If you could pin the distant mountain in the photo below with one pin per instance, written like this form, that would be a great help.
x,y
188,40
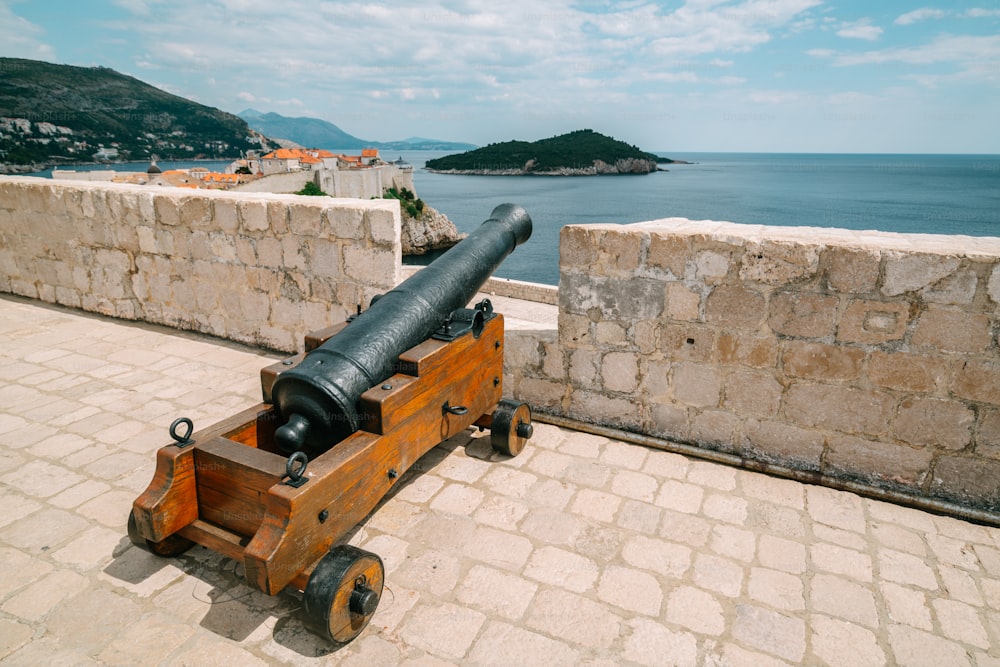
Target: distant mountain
x,y
318,133
579,153
51,114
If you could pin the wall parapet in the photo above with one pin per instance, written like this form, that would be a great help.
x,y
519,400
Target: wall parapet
x,y
261,268
866,356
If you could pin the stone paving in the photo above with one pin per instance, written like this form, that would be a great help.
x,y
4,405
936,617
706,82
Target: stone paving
x,y
581,551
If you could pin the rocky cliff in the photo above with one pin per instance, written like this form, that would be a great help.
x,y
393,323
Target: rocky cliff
x,y
430,230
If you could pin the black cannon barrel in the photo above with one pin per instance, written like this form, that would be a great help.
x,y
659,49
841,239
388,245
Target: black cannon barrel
x,y
317,400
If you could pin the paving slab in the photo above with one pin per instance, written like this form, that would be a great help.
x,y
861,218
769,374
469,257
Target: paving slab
x,y
583,550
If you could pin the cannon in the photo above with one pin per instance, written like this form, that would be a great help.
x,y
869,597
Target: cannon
x,y
278,485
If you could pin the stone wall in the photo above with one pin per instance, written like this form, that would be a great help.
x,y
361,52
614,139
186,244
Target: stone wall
x,y
256,268
862,355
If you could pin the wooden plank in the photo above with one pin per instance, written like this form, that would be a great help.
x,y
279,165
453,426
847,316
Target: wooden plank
x,y
233,480
170,501
465,372
215,538
316,338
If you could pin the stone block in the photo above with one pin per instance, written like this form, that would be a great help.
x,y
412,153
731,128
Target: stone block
x,y
305,219
748,350
225,216
699,385
970,480
819,361
953,330
620,250
910,272
668,420
384,226
993,286
573,329
253,216
672,252
712,267
906,372
736,307
978,381
873,322
644,336
846,409
683,303
934,422
988,433
611,333
195,212
597,408
277,217
779,263
553,362
583,366
577,251
166,211
770,631
780,443
620,372
753,394
691,342
622,299
957,289
878,463
346,222
715,429
802,314
852,270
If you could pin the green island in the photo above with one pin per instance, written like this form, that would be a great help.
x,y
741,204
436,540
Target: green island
x,y
579,153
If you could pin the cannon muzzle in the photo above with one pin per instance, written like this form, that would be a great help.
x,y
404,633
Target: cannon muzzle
x,y
317,400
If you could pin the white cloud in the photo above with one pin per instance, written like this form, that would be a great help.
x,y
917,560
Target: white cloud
x,y
862,29
922,14
19,38
247,97
977,13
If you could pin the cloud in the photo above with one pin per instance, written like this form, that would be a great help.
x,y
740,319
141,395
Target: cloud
x,y
246,97
860,30
922,14
19,37
980,13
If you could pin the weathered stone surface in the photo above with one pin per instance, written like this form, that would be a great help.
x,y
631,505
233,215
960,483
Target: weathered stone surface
x,y
910,272
873,322
781,443
845,409
802,314
431,230
819,361
876,461
778,263
978,381
907,372
734,306
753,393
747,350
624,299
964,479
953,330
852,270
934,422
668,252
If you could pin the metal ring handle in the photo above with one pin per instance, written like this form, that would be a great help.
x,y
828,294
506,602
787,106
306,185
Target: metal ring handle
x,y
454,409
296,476
182,439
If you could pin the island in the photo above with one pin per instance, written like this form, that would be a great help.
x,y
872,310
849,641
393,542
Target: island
x,y
579,153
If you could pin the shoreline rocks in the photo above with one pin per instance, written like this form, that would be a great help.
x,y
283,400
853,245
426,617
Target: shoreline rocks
x,y
429,231
599,168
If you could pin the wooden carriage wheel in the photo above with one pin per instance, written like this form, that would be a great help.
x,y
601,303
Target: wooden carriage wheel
x,y
343,593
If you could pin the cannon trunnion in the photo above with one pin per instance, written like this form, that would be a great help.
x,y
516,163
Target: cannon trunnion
x,y
235,488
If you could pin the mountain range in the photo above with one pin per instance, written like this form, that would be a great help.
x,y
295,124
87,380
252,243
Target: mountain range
x,y
52,114
318,133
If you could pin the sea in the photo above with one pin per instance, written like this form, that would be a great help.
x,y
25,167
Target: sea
x,y
927,194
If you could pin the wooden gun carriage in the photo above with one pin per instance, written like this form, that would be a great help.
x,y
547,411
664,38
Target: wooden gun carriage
x,y
278,485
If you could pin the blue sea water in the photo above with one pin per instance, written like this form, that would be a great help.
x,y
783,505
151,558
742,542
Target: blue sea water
x,y
932,194
935,194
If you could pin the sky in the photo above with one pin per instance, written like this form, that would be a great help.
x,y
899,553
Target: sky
x,y
799,76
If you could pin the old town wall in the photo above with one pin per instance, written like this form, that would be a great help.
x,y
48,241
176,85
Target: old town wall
x,y
866,356
256,268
